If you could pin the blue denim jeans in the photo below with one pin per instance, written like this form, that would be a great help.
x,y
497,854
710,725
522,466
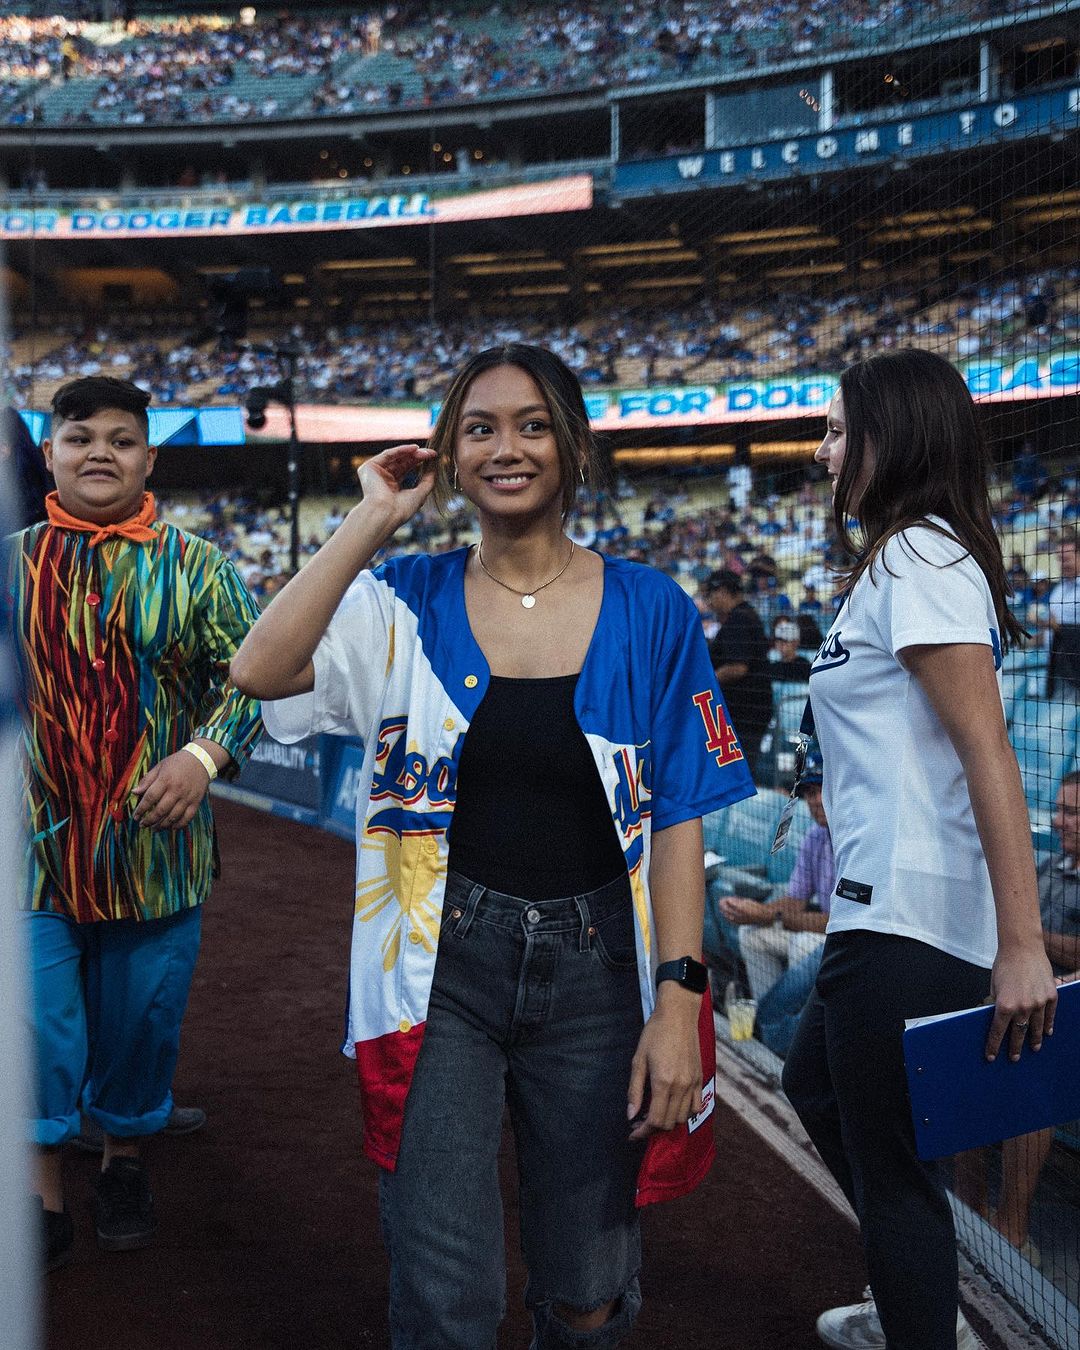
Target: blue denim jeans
x,y
780,1008
108,1002
534,1006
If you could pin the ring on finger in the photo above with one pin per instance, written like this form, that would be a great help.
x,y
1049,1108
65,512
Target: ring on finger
x,y
1021,1025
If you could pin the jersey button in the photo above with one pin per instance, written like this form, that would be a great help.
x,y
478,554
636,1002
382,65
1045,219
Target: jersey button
x,y
112,736
414,936
97,664
93,599
404,1026
471,681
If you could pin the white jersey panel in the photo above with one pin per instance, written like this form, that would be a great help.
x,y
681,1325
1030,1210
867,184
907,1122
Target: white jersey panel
x,y
908,855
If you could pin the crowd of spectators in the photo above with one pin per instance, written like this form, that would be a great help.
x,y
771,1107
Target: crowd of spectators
x,y
688,527
349,358
165,67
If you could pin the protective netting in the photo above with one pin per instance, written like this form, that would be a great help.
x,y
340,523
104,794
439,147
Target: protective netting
x,y
723,206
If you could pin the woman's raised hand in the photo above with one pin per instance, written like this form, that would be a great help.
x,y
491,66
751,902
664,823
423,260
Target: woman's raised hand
x,y
384,477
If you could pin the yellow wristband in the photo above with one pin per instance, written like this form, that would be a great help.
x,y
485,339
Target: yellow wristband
x,y
203,757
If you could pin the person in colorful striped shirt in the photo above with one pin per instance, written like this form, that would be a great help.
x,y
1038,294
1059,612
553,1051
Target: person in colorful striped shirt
x,y
124,627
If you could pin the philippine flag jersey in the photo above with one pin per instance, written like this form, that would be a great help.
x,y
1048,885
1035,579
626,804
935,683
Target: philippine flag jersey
x,y
398,666
908,855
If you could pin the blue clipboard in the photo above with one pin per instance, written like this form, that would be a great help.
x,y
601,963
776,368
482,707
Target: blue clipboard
x,y
959,1101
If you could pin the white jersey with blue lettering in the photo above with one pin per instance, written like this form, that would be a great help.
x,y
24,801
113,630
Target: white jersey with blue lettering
x,y
908,855
399,667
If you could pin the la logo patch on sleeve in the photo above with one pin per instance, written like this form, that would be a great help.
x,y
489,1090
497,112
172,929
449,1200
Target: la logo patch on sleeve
x,y
708,1099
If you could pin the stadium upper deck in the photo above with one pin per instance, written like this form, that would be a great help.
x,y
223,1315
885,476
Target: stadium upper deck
x,y
60,71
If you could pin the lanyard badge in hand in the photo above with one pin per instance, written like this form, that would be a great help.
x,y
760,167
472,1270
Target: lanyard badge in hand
x,y
783,827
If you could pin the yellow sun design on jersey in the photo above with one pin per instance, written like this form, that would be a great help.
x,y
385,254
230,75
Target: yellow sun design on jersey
x,y
413,868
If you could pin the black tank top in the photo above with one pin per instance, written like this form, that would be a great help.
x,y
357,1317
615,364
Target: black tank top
x,y
531,817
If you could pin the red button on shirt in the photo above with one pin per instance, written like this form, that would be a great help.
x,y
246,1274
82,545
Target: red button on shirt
x,y
112,735
93,600
97,664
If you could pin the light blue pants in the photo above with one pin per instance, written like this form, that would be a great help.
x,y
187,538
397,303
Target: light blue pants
x,y
108,1001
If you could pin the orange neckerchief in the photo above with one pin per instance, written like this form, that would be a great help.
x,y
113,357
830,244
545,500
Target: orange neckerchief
x,y
136,527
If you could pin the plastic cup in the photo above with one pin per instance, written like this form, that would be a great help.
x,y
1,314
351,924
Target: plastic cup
x,y
741,1014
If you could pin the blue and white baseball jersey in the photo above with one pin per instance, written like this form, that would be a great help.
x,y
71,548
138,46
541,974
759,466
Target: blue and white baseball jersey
x,y
908,856
399,667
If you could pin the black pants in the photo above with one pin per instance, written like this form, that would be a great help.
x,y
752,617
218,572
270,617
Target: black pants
x,y
844,1075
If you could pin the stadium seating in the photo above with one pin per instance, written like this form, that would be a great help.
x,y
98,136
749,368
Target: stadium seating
x,y
618,44
1044,733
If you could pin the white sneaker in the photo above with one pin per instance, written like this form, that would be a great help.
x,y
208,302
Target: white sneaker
x,y
858,1327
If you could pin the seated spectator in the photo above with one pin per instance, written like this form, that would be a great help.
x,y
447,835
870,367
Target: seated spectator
x,y
785,663
740,657
781,939
1064,607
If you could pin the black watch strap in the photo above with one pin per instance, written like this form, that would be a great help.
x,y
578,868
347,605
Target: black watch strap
x,y
686,971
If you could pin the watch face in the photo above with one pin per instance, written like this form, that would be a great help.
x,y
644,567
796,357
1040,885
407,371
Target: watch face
x,y
696,977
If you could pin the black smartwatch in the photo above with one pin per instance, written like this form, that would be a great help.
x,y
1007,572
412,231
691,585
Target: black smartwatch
x,y
686,971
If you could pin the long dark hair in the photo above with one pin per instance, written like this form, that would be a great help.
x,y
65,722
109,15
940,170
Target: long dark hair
x,y
913,411
30,480
578,454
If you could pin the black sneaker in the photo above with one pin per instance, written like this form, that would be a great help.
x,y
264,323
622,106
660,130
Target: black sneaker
x,y
57,1236
182,1120
124,1207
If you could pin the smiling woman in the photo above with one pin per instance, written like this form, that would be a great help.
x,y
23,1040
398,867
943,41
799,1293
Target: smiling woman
x,y
539,761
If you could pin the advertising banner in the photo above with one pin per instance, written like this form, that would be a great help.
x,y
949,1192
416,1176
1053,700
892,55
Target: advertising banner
x,y
288,773
264,215
1002,379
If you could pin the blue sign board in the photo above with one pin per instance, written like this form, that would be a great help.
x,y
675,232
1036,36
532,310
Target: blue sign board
x,y
880,140
172,426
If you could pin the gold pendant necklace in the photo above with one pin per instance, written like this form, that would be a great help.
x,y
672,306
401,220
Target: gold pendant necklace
x,y
528,598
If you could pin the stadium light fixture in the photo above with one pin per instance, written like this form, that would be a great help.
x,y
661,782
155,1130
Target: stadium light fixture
x,y
1049,215
382,297
256,402
664,283
647,259
786,246
366,264
520,255
752,236
655,456
924,217
514,269
807,270
931,231
1045,199
634,246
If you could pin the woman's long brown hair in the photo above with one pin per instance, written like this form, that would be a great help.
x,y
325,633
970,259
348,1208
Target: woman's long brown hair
x,y
574,441
929,459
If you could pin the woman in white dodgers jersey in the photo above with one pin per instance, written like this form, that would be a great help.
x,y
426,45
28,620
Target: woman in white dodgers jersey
x,y
561,709
935,904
